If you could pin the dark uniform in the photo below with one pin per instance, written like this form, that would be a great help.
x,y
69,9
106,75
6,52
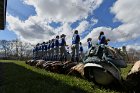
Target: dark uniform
x,y
52,49
63,51
48,50
34,56
89,43
37,51
81,53
43,50
56,48
102,39
40,51
75,46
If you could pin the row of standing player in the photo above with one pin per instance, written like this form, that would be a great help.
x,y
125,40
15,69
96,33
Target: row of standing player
x,y
55,49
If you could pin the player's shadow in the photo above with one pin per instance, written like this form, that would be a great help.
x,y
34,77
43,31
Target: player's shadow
x,y
18,79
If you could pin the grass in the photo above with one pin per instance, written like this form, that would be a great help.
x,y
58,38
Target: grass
x,y
18,77
125,71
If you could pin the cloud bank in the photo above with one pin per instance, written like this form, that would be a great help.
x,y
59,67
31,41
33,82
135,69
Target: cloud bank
x,y
37,29
127,12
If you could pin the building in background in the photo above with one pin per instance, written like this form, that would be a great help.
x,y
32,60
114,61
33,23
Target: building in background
x,y
3,5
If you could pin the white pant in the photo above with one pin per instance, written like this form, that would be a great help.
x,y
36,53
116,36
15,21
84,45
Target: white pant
x,y
75,50
56,49
63,51
81,56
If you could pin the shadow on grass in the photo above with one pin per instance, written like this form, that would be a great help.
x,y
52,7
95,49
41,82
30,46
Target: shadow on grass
x,y
114,87
17,79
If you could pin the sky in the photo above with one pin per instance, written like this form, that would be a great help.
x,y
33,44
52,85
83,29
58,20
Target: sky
x,y
36,21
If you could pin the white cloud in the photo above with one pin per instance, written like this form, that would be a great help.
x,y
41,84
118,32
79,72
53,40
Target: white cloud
x,y
82,26
37,29
30,30
94,21
64,10
127,11
95,33
134,46
67,30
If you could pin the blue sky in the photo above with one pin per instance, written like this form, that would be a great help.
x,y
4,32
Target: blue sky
x,y
17,9
103,15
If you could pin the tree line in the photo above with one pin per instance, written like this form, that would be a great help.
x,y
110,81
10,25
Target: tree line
x,y
15,49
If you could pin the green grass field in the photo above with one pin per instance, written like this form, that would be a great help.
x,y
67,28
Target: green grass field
x,y
18,77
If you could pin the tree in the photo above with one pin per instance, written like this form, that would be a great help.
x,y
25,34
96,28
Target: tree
x,y
4,44
16,49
